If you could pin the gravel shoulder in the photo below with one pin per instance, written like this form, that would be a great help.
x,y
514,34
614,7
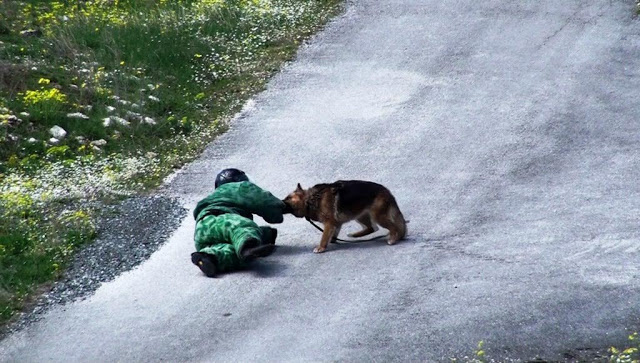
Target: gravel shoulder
x,y
128,233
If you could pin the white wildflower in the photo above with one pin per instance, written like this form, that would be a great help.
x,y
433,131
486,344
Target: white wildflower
x,y
32,140
80,139
133,115
120,121
53,141
124,102
11,119
154,98
135,105
25,114
110,109
78,115
151,86
101,142
149,121
106,122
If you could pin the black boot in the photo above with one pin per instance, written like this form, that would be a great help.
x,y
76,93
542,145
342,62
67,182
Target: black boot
x,y
269,235
269,239
254,248
207,263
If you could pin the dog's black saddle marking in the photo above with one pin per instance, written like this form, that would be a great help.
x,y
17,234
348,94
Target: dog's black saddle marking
x,y
355,194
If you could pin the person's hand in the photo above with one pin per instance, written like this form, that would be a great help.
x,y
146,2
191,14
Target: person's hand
x,y
287,208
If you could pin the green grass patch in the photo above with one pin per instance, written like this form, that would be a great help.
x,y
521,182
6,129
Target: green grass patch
x,y
37,237
103,98
628,354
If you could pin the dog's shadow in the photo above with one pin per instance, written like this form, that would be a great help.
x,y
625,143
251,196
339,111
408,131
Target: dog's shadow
x,y
337,245
274,267
366,243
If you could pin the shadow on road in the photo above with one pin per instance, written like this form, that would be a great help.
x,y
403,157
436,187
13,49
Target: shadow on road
x,y
285,250
273,267
379,242
268,268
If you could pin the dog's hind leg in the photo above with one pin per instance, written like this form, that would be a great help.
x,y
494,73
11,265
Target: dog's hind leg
x,y
367,224
392,220
334,239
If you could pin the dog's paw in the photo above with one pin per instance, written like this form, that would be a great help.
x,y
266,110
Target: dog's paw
x,y
319,249
392,242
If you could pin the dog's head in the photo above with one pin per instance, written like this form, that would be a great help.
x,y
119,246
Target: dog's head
x,y
296,202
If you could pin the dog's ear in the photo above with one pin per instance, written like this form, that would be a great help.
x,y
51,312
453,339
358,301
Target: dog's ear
x,y
299,188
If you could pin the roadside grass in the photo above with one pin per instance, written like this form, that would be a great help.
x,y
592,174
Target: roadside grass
x,y
628,354
478,356
101,99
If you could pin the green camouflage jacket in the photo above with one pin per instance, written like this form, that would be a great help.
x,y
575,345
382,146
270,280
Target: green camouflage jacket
x,y
243,198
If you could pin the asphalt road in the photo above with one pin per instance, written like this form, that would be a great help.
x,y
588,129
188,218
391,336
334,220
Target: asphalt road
x,y
509,132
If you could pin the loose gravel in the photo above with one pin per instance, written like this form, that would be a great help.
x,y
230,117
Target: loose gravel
x,y
128,233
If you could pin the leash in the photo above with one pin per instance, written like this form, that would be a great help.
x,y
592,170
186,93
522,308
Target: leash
x,y
342,240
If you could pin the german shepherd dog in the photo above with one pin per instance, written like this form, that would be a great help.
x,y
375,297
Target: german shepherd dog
x,y
334,204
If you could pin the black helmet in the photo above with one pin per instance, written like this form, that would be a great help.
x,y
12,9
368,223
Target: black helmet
x,y
230,175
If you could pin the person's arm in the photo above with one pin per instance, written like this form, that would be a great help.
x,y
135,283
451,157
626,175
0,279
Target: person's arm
x,y
201,205
259,201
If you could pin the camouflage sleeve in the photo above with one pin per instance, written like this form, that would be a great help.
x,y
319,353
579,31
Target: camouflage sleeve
x,y
201,205
261,202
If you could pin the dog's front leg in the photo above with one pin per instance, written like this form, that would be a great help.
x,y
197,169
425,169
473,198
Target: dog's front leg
x,y
327,235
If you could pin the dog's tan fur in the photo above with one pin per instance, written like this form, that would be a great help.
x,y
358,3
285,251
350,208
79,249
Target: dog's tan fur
x,y
368,203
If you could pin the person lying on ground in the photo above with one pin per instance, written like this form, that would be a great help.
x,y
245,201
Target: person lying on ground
x,y
226,237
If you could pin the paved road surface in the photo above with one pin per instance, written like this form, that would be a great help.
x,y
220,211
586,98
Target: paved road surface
x,y
509,132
